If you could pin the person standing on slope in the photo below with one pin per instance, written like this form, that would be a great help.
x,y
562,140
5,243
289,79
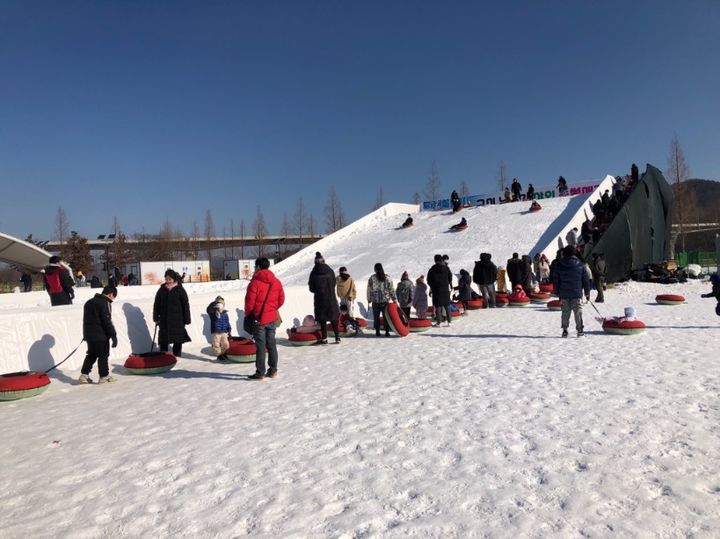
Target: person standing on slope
x,y
439,279
171,312
322,284
570,280
98,331
420,298
404,293
346,291
484,275
380,292
58,282
264,296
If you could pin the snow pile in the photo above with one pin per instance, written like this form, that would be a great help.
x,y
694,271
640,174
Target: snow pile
x,y
492,427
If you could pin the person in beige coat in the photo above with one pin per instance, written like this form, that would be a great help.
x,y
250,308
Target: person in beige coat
x,y
346,290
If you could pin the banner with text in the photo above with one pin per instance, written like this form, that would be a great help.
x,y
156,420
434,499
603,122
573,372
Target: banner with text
x,y
490,199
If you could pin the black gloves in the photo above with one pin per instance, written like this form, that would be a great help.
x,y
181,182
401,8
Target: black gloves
x,y
114,341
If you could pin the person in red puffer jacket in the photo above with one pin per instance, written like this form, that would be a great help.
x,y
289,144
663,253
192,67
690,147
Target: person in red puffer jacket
x,y
265,295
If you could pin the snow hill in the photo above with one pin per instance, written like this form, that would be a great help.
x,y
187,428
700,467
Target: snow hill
x,y
493,427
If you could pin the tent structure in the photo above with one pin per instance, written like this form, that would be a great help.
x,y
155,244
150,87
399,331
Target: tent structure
x,y
640,233
22,253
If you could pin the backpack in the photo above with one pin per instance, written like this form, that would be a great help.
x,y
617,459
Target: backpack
x,y
54,285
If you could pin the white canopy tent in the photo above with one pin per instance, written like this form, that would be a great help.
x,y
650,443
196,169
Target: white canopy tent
x,y
22,253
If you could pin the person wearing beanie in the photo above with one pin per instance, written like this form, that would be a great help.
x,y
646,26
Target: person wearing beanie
x,y
98,332
322,284
404,293
171,312
58,282
464,289
345,289
220,328
420,298
439,279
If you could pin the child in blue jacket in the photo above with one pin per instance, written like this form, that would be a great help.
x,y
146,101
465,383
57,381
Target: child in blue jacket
x,y
219,327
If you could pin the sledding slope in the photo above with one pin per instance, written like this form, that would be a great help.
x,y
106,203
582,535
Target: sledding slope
x,y
499,230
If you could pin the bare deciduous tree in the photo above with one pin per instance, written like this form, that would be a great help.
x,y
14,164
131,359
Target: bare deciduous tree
x,y
76,252
677,172
209,235
194,242
416,198
334,217
285,232
432,187
164,248
502,175
379,200
260,231
120,252
464,189
62,227
311,225
242,237
300,219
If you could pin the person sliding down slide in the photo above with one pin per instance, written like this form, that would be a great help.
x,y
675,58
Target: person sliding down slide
x,y
462,225
408,222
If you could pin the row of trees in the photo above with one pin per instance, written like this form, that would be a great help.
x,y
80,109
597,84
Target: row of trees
x,y
163,245
170,241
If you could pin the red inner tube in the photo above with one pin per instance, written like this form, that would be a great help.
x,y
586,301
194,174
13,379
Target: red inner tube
x,y
21,381
419,322
314,336
237,348
670,297
627,324
398,320
546,287
457,228
476,303
518,299
540,295
554,304
150,360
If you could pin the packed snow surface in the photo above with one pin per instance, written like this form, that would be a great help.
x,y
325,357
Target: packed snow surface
x,y
492,427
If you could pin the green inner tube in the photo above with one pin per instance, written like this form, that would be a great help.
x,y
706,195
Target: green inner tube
x,y
241,359
22,394
151,370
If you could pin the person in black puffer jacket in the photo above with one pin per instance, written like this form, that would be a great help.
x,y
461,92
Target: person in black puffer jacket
x,y
98,331
322,285
485,275
570,281
171,312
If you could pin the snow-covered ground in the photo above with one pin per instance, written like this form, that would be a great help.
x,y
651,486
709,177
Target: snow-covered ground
x,y
494,427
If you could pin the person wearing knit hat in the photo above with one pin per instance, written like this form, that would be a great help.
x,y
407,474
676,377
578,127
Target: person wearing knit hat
x,y
404,293
420,298
322,284
220,328
345,289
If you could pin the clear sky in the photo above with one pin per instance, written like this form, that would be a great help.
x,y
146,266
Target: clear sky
x,y
153,110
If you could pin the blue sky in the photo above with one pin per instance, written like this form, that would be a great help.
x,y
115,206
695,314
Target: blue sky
x,y
150,110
